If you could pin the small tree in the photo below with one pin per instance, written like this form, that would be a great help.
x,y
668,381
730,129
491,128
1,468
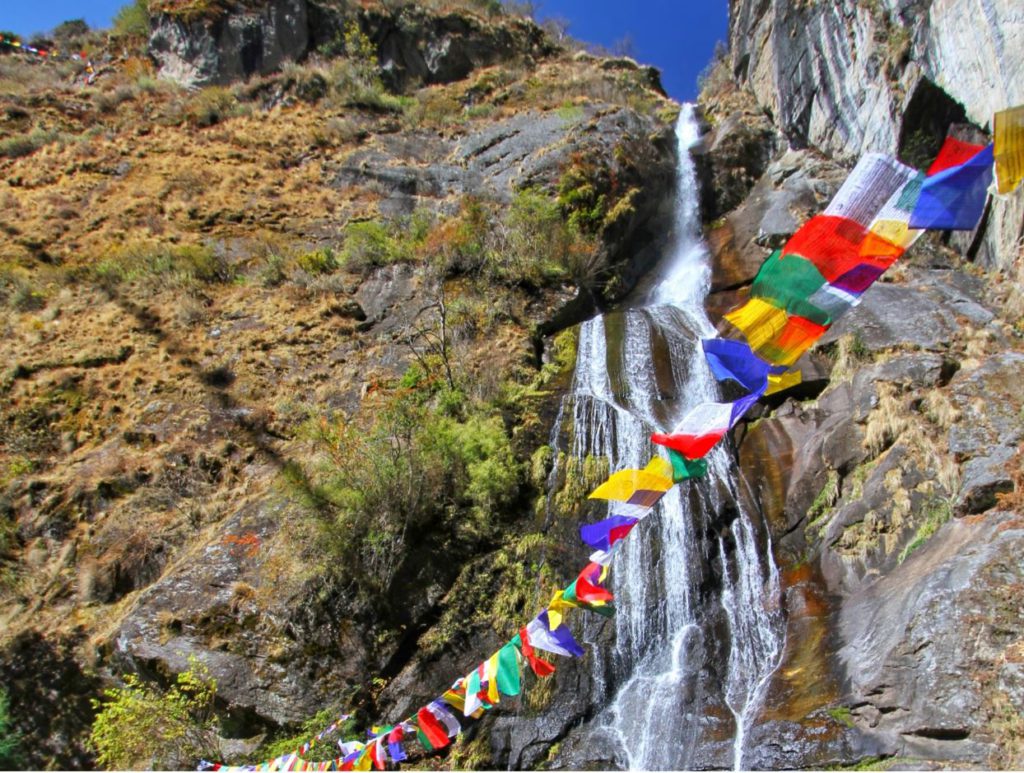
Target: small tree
x,y
140,726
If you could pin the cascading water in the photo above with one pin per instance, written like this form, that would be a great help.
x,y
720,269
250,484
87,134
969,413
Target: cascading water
x,y
640,370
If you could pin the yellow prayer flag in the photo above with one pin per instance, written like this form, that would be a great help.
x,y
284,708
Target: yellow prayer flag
x,y
623,484
1009,149
491,670
659,466
455,700
758,320
783,381
896,233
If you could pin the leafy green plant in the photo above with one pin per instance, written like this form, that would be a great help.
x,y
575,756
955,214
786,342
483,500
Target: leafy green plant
x,y
142,726
10,739
410,472
583,194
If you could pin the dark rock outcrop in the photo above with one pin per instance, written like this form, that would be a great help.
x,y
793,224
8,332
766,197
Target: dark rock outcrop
x,y
232,47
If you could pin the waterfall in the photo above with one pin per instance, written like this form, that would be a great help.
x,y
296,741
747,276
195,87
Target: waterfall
x,y
638,370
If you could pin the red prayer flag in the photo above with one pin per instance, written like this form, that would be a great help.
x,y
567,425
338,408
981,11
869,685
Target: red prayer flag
x,y
541,668
432,729
953,153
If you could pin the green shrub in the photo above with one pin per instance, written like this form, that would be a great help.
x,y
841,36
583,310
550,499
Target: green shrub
x,y
20,145
529,243
132,21
185,264
372,243
140,726
583,194
318,262
411,473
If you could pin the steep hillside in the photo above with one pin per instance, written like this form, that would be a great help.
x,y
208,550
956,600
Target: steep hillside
x,y
280,353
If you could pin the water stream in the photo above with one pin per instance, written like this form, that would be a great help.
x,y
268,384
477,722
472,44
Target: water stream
x,y
638,370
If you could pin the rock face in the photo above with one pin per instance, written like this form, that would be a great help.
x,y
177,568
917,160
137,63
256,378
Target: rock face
x,y
891,496
416,47
230,48
851,77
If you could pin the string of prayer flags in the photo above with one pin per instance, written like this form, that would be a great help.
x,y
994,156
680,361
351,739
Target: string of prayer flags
x,y
822,270
954,197
1008,129
799,292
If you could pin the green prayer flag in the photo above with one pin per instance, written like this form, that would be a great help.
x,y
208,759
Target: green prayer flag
x,y
569,594
508,670
787,282
422,737
684,469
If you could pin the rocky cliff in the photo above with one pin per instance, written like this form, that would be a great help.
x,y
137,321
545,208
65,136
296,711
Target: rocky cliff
x,y
890,478
228,311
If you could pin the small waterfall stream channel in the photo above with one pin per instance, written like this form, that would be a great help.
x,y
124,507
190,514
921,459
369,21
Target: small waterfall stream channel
x,y
680,672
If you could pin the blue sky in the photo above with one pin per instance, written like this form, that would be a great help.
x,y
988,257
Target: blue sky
x,y
677,36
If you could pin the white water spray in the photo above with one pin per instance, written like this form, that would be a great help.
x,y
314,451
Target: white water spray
x,y
659,684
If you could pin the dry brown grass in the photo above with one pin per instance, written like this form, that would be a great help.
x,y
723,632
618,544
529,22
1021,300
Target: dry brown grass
x,y
887,421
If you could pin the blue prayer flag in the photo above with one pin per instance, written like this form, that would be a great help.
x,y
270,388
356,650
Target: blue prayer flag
x,y
954,198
